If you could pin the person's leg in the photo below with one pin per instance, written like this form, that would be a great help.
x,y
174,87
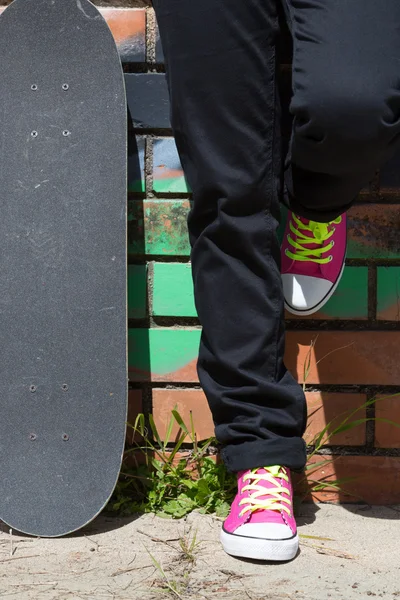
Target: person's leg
x,y
346,100
346,123
220,61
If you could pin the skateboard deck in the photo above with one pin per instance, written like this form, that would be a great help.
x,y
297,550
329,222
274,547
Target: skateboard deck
x,y
63,271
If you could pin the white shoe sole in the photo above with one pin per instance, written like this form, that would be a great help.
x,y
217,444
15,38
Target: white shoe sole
x,y
258,548
311,311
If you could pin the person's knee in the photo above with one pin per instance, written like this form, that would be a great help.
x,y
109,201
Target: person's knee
x,y
347,121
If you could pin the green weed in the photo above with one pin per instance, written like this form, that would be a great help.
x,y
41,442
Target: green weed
x,y
348,422
169,487
159,483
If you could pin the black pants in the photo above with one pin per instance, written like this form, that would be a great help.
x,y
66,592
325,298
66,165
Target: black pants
x,y
222,74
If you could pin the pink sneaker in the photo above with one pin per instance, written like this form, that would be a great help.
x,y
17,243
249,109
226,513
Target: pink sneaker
x,y
261,523
313,256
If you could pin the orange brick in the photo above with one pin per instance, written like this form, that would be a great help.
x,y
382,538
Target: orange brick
x,y
374,479
128,26
345,357
164,401
386,434
324,408
134,408
339,357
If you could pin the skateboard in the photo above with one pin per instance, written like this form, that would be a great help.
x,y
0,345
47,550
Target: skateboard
x,y
63,265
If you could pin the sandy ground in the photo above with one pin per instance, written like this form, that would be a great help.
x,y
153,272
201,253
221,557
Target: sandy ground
x,y
110,559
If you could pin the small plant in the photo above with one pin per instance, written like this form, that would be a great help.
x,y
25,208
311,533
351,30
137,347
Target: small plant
x,y
170,487
171,586
188,546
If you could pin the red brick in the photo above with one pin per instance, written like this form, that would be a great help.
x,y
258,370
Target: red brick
x,y
128,26
375,479
338,358
386,434
164,401
345,357
324,408
134,408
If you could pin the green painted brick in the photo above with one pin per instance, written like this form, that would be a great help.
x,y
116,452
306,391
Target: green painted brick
x,y
159,227
388,296
350,300
173,290
137,291
170,185
155,353
173,293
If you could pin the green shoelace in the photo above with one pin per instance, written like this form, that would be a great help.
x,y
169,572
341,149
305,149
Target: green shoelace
x,y
320,234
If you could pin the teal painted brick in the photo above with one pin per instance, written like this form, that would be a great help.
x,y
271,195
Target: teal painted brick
x,y
173,293
350,300
173,290
163,354
137,291
388,296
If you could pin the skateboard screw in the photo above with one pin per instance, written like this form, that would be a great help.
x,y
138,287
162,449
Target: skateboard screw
x,y
65,387
33,388
65,86
34,87
65,437
34,134
33,437
66,133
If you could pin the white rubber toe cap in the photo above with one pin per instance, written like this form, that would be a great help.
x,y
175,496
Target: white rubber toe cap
x,y
266,531
261,541
305,295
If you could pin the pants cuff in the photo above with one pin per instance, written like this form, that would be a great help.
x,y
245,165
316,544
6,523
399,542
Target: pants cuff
x,y
287,452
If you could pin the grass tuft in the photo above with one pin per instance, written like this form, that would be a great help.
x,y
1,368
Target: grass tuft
x,y
171,485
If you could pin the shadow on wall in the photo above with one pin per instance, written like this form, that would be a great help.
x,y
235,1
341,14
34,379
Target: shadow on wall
x,y
138,309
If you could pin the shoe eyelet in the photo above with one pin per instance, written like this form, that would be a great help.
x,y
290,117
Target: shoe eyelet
x,y
286,252
333,243
333,229
330,258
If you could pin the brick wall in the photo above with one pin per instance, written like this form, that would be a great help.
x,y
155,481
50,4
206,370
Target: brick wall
x,y
357,353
